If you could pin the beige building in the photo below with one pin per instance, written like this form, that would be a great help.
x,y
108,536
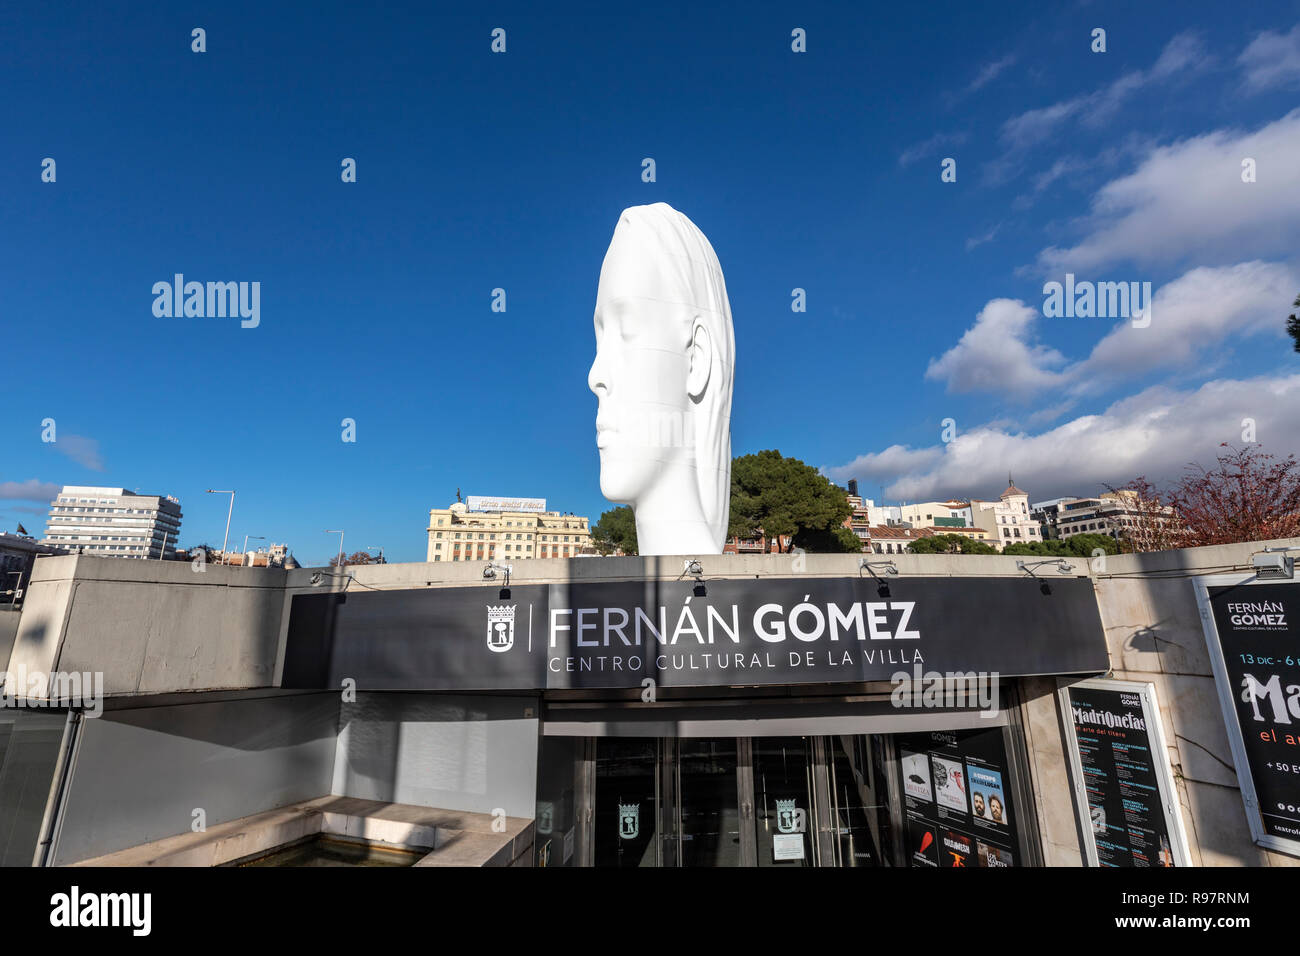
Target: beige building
x,y
926,513
1008,519
458,534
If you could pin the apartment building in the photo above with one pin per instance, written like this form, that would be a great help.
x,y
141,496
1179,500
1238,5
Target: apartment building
x,y
113,522
505,529
939,513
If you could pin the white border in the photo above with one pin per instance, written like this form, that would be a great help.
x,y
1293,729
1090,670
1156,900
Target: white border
x,y
1159,750
1245,779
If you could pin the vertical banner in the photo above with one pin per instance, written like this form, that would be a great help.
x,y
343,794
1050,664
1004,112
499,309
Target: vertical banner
x,y
1124,787
1254,644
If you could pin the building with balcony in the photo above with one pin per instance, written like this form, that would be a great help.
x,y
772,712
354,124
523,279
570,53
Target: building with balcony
x,y
113,522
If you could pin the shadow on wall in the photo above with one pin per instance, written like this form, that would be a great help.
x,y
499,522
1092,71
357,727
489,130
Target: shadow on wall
x,y
476,754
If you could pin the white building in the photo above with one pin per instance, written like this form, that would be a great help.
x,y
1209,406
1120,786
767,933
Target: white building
x,y
1008,519
113,522
923,514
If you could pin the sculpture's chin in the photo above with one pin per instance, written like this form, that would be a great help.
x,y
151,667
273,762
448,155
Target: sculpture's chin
x,y
618,482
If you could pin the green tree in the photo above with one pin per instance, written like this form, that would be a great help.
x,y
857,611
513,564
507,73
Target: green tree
x,y
1293,324
782,497
950,544
830,541
1036,548
615,531
1079,546
1082,545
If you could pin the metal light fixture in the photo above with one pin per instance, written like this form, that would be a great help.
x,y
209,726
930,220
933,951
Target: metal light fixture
x,y
1272,564
492,568
882,586
1062,566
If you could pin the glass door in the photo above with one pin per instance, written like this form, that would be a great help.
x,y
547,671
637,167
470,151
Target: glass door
x,y
626,818
855,802
696,801
782,829
708,802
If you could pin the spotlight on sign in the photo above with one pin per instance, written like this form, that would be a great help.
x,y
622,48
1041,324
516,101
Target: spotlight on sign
x,y
1272,565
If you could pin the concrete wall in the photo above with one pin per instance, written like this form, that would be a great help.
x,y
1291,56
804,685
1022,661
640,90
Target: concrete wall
x,y
1049,773
457,753
8,631
160,627
152,626
1154,632
141,772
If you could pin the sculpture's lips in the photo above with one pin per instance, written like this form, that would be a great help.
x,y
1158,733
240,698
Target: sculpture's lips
x,y
604,436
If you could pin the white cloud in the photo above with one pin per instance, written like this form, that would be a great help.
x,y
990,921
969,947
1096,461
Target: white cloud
x,y
990,72
1181,56
989,236
1156,432
1272,60
995,354
1188,199
887,465
918,151
29,490
1200,313
84,451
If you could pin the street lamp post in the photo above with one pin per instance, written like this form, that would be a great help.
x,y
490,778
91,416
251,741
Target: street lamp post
x,y
226,539
340,534
244,553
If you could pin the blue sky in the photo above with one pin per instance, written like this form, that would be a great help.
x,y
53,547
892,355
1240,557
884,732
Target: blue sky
x,y
816,170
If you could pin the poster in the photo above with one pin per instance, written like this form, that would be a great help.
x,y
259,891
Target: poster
x,y
989,855
949,782
1120,765
956,849
916,775
988,803
955,801
921,844
1254,645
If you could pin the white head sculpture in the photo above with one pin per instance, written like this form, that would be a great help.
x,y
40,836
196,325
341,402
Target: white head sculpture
x,y
663,376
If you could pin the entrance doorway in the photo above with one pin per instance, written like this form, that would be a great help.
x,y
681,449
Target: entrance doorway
x,y
731,801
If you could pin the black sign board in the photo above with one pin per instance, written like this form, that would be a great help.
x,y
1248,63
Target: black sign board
x,y
956,805
1124,776
690,634
1255,648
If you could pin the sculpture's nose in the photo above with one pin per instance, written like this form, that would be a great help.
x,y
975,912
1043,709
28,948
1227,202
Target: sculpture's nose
x,y
596,377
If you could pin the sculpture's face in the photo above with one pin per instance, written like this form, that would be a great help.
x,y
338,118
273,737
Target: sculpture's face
x,y
644,416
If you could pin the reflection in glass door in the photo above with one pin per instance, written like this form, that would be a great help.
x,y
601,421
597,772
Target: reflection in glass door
x,y
692,801
855,802
782,768
627,802
708,808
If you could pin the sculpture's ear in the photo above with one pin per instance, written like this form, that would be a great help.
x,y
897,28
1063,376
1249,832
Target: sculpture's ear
x,y
701,361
